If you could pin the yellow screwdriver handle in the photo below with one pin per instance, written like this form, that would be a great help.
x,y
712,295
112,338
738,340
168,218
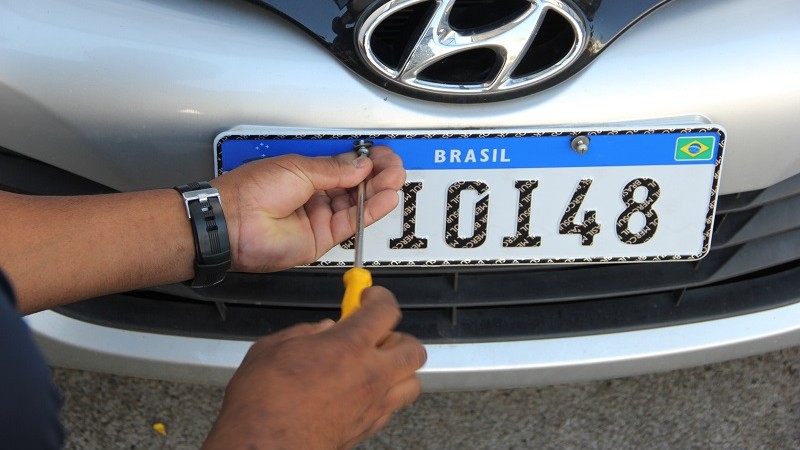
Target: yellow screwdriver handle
x,y
355,281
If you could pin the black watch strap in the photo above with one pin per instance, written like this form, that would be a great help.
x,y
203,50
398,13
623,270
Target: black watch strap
x,y
211,243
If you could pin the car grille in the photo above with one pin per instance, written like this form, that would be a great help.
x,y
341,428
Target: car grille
x,y
754,264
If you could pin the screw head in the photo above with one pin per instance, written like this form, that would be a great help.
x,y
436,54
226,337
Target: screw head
x,y
580,144
362,146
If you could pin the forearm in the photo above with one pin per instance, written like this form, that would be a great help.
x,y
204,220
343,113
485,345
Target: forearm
x,y
62,249
280,212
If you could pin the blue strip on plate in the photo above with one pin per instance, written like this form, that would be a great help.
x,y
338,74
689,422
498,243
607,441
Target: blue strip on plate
x,y
476,152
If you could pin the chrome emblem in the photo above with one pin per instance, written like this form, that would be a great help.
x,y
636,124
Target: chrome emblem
x,y
438,40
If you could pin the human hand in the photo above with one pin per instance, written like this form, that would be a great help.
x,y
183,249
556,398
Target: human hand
x,y
323,385
290,210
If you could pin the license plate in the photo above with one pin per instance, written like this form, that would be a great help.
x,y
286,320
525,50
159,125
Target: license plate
x,y
521,197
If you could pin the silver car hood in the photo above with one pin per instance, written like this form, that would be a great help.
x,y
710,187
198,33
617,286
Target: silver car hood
x,y
134,97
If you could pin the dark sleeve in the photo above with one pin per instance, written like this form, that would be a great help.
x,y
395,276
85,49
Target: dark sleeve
x,y
29,400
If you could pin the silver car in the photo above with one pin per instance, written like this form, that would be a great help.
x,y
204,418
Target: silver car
x,y
595,188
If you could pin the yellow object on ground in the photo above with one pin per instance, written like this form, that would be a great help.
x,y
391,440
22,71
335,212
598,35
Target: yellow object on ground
x,y
160,428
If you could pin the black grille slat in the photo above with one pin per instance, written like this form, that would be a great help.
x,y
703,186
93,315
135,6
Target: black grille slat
x,y
756,256
748,200
493,323
772,218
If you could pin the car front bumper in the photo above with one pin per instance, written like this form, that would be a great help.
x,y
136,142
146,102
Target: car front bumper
x,y
76,344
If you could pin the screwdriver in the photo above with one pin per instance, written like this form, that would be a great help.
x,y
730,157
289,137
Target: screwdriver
x,y
357,278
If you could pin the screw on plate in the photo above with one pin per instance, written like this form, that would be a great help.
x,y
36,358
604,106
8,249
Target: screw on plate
x,y
580,144
362,146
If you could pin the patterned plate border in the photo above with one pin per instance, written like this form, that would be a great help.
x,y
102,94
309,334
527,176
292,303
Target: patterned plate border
x,y
354,135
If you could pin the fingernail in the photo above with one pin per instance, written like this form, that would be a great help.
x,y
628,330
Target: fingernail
x,y
360,161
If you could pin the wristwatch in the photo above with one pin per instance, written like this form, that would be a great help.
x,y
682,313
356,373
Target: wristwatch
x,y
211,243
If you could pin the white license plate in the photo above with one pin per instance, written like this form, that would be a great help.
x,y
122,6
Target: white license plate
x,y
525,196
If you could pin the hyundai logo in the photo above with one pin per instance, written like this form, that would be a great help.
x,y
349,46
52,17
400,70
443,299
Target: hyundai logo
x,y
496,58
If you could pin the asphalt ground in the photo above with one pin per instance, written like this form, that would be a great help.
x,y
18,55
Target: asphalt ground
x,y
752,403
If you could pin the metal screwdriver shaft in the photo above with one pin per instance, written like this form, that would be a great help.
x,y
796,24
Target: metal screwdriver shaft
x,y
357,279
362,148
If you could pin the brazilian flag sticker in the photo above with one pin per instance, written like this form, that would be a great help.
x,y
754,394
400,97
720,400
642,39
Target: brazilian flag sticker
x,y
694,148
